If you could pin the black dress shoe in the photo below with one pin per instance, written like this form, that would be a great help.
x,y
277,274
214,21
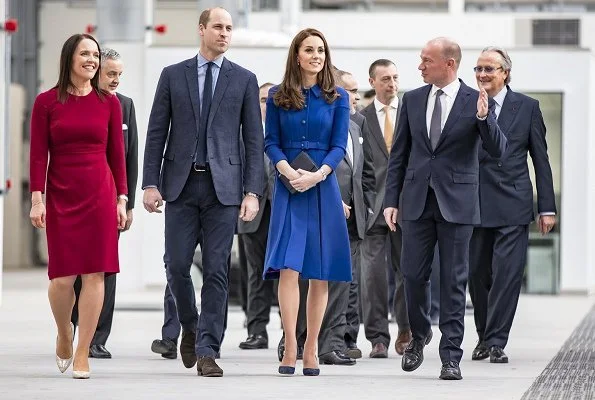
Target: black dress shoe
x,y
99,351
167,348
336,357
414,353
497,355
481,351
352,351
450,371
255,342
187,349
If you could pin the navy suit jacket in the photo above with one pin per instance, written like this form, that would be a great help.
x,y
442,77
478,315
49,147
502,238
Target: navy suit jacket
x,y
505,190
130,146
453,166
175,120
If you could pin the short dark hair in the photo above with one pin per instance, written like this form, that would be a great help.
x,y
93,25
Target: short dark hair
x,y
382,62
65,77
368,94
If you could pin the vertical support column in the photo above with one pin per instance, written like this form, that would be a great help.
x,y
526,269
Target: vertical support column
x,y
290,14
4,85
456,7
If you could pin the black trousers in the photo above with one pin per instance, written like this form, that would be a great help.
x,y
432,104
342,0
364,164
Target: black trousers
x,y
104,325
497,262
198,211
260,292
419,238
374,283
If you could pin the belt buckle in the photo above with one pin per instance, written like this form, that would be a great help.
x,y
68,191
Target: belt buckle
x,y
199,168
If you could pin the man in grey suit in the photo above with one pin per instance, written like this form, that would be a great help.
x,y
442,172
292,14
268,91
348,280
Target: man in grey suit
x,y
498,249
382,117
252,238
109,79
200,107
355,174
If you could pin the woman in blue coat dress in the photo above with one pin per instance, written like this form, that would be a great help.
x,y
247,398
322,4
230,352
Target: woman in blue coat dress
x,y
307,234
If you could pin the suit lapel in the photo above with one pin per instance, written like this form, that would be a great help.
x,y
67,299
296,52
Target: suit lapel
x,y
222,82
192,80
508,112
461,100
422,115
372,118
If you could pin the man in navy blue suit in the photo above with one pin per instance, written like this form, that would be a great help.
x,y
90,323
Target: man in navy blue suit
x,y
498,249
432,182
200,106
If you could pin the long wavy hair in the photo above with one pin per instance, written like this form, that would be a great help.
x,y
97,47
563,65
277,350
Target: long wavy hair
x,y
289,95
65,77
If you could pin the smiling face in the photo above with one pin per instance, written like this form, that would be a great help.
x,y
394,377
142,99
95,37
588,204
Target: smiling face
x,y
85,60
489,72
311,55
109,78
215,34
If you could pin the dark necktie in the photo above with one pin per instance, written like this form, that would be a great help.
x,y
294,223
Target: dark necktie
x,y
200,156
436,121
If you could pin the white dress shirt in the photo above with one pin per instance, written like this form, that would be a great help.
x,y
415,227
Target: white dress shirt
x,y
350,147
499,99
446,100
394,105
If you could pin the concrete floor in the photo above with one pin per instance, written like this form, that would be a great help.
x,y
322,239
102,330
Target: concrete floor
x,y
28,370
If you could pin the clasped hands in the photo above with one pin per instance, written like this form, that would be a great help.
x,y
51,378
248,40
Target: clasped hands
x,y
303,180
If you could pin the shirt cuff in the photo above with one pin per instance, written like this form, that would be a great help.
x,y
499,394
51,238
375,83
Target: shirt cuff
x,y
481,119
547,213
149,186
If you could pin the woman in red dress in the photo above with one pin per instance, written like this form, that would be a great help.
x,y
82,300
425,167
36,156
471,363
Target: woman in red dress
x,y
80,128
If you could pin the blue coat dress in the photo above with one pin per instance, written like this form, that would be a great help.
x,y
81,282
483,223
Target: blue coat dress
x,y
308,231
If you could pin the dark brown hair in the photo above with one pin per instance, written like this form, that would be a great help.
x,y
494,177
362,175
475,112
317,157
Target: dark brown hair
x,y
65,78
290,93
382,62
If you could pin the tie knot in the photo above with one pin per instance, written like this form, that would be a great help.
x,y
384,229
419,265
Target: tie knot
x,y
209,65
439,92
386,109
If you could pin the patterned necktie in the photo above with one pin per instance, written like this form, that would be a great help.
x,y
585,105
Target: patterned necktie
x,y
388,128
436,121
200,157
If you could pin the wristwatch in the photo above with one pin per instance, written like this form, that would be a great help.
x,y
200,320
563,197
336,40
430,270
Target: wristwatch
x,y
323,173
253,195
123,196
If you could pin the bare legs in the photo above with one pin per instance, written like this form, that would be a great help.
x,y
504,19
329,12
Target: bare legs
x,y
315,308
61,295
289,300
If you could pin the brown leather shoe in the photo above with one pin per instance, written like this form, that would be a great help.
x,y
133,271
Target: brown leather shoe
x,y
379,350
403,339
206,366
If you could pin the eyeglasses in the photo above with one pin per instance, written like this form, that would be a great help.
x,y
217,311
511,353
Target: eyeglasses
x,y
488,70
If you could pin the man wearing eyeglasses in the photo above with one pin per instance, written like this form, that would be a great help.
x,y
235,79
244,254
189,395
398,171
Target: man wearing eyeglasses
x,y
498,247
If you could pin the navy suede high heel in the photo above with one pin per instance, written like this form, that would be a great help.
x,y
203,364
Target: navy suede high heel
x,y
286,370
311,371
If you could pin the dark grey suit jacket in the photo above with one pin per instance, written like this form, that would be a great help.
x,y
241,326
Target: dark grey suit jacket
x,y
453,165
130,146
505,190
269,185
175,120
349,175
380,160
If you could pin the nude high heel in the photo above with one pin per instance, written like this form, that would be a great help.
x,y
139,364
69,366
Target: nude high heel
x,y
64,363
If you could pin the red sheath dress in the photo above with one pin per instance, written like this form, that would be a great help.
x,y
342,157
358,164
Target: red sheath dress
x,y
83,138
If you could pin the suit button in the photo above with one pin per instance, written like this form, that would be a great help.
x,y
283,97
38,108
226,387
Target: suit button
x,y
499,164
303,137
433,157
303,121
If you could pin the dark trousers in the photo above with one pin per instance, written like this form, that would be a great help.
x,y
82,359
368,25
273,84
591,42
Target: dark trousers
x,y
334,324
260,291
197,210
243,286
353,306
104,325
435,285
497,262
419,238
374,281
171,324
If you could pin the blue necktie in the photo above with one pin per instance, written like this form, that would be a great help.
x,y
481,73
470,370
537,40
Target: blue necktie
x,y
200,156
